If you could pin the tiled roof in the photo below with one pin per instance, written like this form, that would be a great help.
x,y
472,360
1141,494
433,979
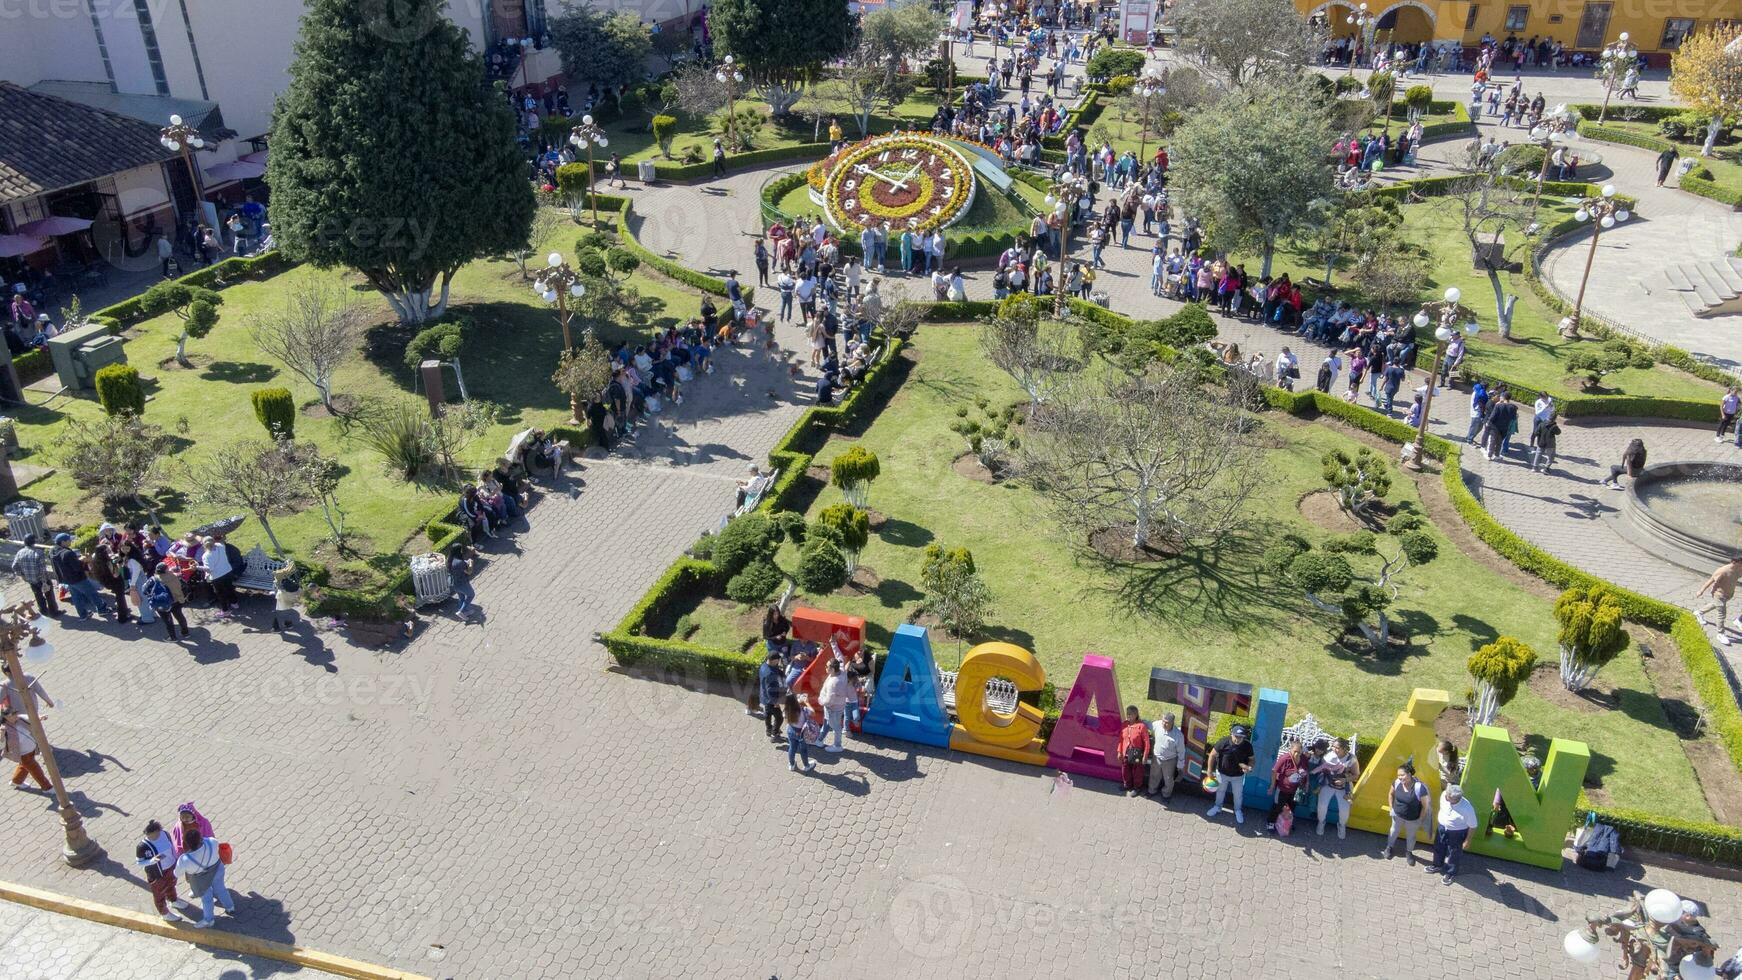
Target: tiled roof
x,y
47,143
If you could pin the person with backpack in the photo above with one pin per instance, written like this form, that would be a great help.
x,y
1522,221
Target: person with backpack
x,y
1135,747
155,855
162,593
1409,809
69,567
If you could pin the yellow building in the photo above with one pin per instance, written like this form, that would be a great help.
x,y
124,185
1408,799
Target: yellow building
x,y
1655,27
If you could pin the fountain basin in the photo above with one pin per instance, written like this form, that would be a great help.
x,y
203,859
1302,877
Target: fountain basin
x,y
1689,513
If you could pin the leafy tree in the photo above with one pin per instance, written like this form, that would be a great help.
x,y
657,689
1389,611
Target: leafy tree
x,y
1332,584
1706,74
1353,228
197,308
850,528
1359,481
781,42
1498,668
1590,633
1393,274
1417,100
1147,451
664,129
1238,42
897,33
115,458
313,334
1110,62
822,568
852,472
573,181
582,374
456,186
1382,89
442,342
257,477
1253,166
954,591
743,540
598,45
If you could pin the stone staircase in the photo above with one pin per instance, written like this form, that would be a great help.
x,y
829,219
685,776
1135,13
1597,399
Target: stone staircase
x,y
1708,288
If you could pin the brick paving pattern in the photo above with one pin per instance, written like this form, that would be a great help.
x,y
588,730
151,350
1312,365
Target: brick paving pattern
x,y
496,802
38,945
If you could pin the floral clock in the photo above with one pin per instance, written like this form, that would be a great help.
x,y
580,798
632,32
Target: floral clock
x,y
908,181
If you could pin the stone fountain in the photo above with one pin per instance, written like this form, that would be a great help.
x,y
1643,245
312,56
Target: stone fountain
x,y
1687,513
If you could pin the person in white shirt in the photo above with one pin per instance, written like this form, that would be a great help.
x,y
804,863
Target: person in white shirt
x,y
1169,750
1457,819
1544,409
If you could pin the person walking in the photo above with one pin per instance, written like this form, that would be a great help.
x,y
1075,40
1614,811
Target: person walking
x,y
1339,770
1167,750
155,856
1632,463
31,565
719,158
1478,411
20,748
1135,748
1230,761
1409,808
200,865
69,567
1721,587
836,692
1665,160
1543,438
460,572
1727,409
796,746
1456,819
770,686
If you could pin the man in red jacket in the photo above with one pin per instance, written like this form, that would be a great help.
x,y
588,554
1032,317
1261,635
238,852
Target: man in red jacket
x,y
1134,749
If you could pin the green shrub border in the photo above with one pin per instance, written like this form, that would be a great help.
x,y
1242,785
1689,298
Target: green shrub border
x,y
382,603
1711,189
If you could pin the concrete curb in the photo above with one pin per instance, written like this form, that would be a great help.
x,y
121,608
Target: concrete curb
x,y
216,938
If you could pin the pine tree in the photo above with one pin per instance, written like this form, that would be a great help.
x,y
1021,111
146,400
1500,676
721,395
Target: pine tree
x,y
391,155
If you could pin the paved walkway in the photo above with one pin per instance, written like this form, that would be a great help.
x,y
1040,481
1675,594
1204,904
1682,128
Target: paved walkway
x,y
38,945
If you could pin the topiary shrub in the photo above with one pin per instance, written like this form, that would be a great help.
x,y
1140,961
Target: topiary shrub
x,y
1190,327
756,582
1498,668
821,567
119,390
1405,521
852,472
664,131
442,342
744,540
276,409
1109,62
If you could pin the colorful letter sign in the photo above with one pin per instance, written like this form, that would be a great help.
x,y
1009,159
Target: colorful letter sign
x,y
1541,813
985,731
1087,742
831,631
1411,738
910,704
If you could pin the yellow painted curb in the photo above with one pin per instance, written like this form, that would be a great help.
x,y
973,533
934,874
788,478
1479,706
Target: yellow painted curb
x,y
232,941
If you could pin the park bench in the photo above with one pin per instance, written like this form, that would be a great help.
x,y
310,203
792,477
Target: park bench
x,y
752,496
258,569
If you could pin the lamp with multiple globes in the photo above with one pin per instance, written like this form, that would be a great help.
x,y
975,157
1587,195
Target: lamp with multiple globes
x,y
1446,313
1641,929
729,75
179,137
1604,212
557,283
23,626
586,136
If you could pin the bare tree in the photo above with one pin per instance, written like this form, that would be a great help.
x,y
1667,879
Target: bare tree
x,y
116,458
1489,210
1393,272
694,89
320,476
259,477
1234,42
1018,345
313,334
545,222
1147,451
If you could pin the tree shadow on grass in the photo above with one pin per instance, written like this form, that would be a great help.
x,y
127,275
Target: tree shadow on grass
x,y
1670,714
1212,585
239,372
904,534
893,593
1480,632
1411,630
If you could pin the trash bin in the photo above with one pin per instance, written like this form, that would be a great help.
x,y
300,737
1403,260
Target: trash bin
x,y
26,517
645,171
429,579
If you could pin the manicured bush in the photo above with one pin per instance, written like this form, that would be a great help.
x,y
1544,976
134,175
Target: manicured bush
x,y
756,583
852,472
664,129
119,390
276,410
742,541
1110,61
442,342
821,567
32,365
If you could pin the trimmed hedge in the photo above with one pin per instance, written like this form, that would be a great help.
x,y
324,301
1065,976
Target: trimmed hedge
x,y
1653,113
1459,126
673,270
1609,134
1711,189
681,173
32,365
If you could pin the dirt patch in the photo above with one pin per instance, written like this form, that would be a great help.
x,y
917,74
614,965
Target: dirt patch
x,y
818,473
1114,544
941,639
876,519
864,580
746,621
1719,781
1453,725
196,362
1545,681
1355,642
345,405
968,466
1321,508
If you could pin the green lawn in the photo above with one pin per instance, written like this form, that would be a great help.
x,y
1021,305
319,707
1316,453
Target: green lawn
x,y
990,210
1215,613
633,138
1536,353
1725,163
509,361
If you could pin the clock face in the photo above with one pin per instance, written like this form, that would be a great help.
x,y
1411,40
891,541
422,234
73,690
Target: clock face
x,y
908,181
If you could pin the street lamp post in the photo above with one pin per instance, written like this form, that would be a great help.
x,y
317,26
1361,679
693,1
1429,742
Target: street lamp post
x,y
1446,312
586,136
1147,90
1360,20
1643,935
1603,212
525,62
21,624
1062,196
556,284
1612,66
729,76
178,136
1553,130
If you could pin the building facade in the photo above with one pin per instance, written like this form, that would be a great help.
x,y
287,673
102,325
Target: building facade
x,y
1655,27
